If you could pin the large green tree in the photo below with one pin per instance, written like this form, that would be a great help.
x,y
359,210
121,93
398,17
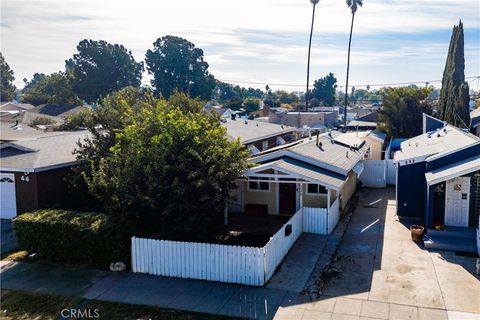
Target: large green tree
x,y
176,64
402,111
7,88
454,95
161,164
100,68
54,88
324,89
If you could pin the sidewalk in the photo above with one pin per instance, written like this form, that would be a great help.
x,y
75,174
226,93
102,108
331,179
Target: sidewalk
x,y
174,293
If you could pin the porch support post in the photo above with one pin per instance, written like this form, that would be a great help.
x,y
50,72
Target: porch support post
x,y
300,187
328,208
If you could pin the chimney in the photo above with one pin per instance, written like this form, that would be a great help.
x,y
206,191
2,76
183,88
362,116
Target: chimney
x,y
233,116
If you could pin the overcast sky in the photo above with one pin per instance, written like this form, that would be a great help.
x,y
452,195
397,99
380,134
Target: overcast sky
x,y
261,41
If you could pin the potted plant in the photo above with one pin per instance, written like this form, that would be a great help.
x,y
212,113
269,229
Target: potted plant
x,y
417,232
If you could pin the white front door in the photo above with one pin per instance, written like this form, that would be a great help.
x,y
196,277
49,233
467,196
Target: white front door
x,y
8,202
457,201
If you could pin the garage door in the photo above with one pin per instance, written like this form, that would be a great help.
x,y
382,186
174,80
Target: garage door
x,y
8,204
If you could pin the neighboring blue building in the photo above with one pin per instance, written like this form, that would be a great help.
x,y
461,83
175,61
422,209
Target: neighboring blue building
x,y
438,178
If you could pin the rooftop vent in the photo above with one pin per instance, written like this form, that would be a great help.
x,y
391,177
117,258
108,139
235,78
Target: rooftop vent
x,y
246,122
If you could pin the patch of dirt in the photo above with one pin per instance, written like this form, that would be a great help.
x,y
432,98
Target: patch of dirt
x,y
403,268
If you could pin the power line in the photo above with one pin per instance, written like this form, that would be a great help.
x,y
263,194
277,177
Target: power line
x,y
472,79
355,85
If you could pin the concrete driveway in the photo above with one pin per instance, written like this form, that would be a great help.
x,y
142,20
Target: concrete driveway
x,y
8,242
380,262
380,273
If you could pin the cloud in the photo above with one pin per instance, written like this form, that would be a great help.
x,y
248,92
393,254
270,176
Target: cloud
x,y
250,39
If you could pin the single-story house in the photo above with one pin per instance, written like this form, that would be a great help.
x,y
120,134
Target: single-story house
x,y
438,180
55,112
258,136
320,172
33,171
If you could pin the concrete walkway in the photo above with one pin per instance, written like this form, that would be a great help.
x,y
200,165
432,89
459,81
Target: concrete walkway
x,y
299,263
183,294
381,274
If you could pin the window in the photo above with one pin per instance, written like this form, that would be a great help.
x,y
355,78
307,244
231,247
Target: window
x,y
264,145
256,184
316,189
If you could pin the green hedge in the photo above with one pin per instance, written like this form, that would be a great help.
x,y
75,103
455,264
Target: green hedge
x,y
79,237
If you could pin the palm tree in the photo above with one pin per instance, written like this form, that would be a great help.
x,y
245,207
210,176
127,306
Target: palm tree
x,y
314,2
353,5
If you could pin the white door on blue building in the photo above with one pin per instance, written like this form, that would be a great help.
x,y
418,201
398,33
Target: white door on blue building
x,y
457,201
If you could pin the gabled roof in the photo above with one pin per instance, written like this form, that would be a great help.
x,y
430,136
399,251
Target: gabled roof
x,y
57,110
329,155
297,169
250,131
42,153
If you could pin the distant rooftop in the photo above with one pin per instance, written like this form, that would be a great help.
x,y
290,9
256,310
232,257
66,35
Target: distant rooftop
x,y
251,130
9,132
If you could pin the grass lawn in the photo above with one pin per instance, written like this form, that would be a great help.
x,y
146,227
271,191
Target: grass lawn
x,y
26,305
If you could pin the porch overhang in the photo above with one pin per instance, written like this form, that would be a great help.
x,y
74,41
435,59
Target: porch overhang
x,y
287,168
453,170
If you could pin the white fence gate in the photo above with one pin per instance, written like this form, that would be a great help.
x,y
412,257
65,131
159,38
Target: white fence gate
x,y
391,172
315,220
374,174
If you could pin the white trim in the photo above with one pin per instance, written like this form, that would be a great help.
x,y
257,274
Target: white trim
x,y
277,196
40,169
253,171
443,154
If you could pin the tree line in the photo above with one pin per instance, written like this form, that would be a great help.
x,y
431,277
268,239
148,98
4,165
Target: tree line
x,y
175,64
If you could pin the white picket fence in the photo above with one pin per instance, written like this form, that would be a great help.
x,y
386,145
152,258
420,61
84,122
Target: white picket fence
x,y
215,262
277,248
333,216
315,220
227,263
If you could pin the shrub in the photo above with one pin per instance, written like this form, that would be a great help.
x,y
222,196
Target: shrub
x,y
42,121
68,236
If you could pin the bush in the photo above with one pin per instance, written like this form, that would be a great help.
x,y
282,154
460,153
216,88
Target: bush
x,y
68,236
42,121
